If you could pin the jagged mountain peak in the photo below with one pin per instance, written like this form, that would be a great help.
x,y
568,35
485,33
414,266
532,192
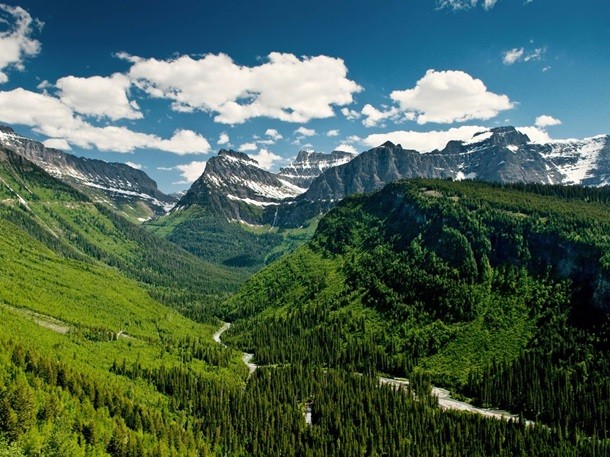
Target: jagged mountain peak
x,y
498,136
309,164
389,144
7,129
236,155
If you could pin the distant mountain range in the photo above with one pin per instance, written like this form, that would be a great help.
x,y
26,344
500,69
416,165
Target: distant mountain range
x,y
129,191
235,186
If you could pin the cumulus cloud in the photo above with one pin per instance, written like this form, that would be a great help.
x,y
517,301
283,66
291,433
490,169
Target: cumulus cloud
x,y
16,42
48,116
332,133
284,87
513,55
424,141
273,134
190,171
248,147
137,166
99,96
521,55
546,121
350,114
535,134
462,5
374,117
303,131
266,159
443,97
346,148
223,138
57,143
272,137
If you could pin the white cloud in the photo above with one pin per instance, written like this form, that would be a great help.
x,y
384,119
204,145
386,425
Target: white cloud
x,y
223,138
248,147
57,143
191,171
332,133
273,134
99,96
284,87
44,85
424,141
521,55
462,5
374,117
48,116
546,121
16,43
266,159
137,166
350,114
535,55
183,142
535,134
512,56
346,148
443,97
303,131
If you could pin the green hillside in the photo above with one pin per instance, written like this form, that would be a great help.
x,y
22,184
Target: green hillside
x,y
71,224
243,248
98,355
500,292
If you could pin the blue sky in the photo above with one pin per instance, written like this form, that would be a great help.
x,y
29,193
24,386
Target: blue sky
x,y
163,85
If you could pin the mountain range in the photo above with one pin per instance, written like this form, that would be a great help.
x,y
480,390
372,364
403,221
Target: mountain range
x,y
241,215
131,192
234,185
499,292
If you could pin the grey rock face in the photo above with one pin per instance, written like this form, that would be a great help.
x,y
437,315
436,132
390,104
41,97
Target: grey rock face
x,y
114,180
310,164
499,155
234,185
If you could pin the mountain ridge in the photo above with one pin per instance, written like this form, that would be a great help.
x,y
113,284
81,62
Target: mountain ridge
x,y
118,185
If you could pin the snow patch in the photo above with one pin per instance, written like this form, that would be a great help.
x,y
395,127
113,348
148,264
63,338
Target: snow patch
x,y
249,201
576,159
461,176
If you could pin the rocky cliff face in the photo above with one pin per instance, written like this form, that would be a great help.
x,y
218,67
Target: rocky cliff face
x,y
234,185
310,164
116,184
501,154
585,162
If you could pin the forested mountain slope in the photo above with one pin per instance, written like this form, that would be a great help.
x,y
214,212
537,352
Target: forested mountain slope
x,y
76,287
122,188
71,224
91,364
499,291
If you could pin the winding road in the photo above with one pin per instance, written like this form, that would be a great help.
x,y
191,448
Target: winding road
x,y
445,401
246,358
